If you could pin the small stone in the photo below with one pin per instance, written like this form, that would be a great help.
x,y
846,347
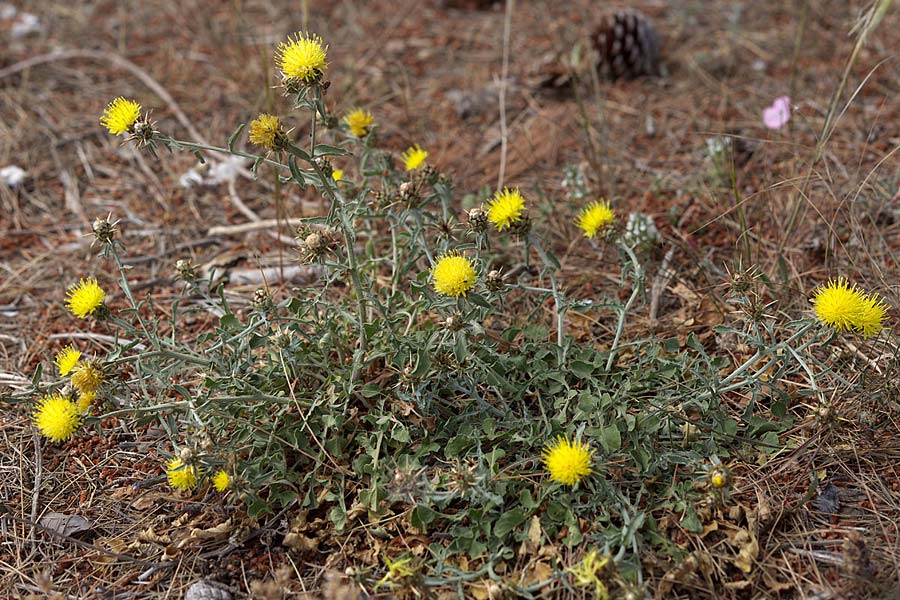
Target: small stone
x,y
205,590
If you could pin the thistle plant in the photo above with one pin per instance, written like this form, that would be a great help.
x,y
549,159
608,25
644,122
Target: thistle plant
x,y
401,382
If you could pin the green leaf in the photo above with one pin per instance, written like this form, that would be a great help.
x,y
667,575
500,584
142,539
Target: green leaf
x,y
295,151
326,150
400,434
338,516
234,136
526,500
581,370
611,439
229,322
535,332
509,521
478,300
422,516
690,521
295,171
456,445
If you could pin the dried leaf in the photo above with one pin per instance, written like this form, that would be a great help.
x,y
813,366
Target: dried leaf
x,y
65,524
748,552
219,532
149,536
298,541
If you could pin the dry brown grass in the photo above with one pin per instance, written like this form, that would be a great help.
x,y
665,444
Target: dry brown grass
x,y
412,63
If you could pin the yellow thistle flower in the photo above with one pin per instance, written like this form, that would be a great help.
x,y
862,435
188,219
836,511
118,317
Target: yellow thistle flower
x,y
181,476
85,401
85,297
587,573
718,479
872,319
302,57
359,122
596,217
221,481
87,378
453,275
414,157
266,131
56,417
66,359
120,115
505,208
337,174
568,462
846,307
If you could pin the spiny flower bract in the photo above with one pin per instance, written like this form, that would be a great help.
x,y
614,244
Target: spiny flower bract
x,y
453,275
505,208
66,359
567,461
85,297
846,307
221,481
87,378
359,122
56,417
266,131
413,157
301,57
596,217
120,115
181,476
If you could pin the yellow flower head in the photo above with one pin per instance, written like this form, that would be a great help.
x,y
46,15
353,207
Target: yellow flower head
x,y
568,462
85,401
56,417
66,360
587,573
87,378
337,174
505,208
181,476
453,275
85,297
414,157
596,217
844,306
302,57
266,131
359,122
120,115
221,481
872,319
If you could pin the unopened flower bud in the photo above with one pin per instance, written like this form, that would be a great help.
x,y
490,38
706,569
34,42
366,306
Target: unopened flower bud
x,y
477,219
494,280
185,270
105,231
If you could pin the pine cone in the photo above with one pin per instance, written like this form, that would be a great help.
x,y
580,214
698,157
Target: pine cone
x,y
627,45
